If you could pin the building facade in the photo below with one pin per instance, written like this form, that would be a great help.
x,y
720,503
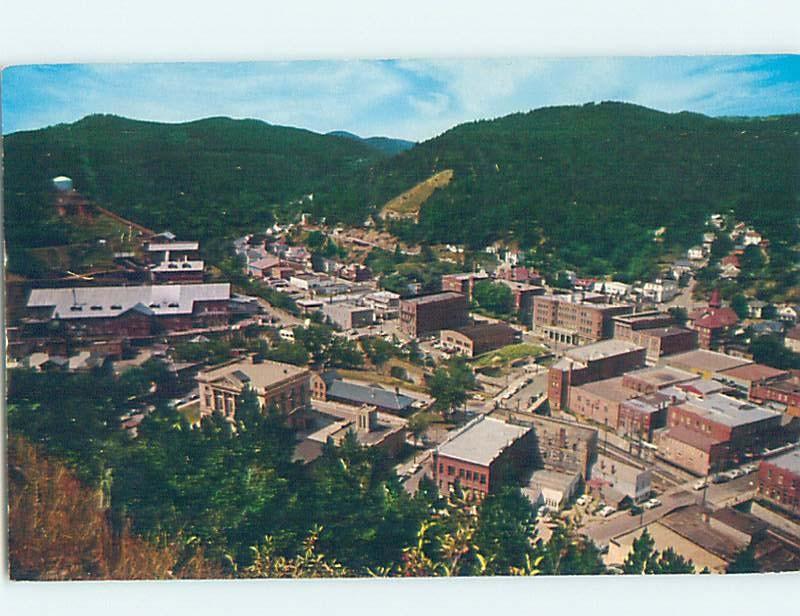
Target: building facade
x,y
432,313
474,340
575,318
779,481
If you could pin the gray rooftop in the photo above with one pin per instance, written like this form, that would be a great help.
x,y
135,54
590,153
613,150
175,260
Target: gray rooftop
x,y
601,350
94,302
789,461
482,441
703,360
729,411
176,246
365,394
436,297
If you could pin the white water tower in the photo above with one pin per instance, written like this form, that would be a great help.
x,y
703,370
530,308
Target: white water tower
x,y
62,183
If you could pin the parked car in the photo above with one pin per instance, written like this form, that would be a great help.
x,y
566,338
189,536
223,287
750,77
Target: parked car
x,y
606,511
720,478
582,500
635,510
699,484
750,468
652,503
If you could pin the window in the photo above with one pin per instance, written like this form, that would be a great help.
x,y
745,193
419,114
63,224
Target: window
x,y
441,467
483,478
451,470
469,475
461,473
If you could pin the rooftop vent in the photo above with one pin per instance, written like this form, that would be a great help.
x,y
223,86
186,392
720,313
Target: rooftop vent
x,y
96,307
116,307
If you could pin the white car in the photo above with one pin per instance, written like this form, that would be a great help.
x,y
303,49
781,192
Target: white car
x,y
652,503
750,468
735,473
582,500
606,511
699,485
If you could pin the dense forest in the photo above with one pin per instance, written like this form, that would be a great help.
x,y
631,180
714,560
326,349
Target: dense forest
x,y
586,185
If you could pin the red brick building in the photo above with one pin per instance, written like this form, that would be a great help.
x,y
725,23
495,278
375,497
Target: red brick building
x,y
484,455
779,481
784,391
594,362
712,323
476,339
432,313
707,434
463,283
656,332
523,295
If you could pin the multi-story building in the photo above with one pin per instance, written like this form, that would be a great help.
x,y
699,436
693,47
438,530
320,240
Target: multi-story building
x,y
284,386
432,313
656,332
131,313
661,290
779,480
640,417
523,294
476,339
624,478
745,378
713,322
594,362
483,455
784,392
704,363
599,401
707,434
575,318
463,283
347,315
385,304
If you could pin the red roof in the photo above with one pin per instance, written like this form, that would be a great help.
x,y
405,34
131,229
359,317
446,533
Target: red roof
x,y
754,372
718,318
692,438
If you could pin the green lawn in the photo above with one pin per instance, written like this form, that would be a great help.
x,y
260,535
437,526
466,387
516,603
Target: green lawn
x,y
508,354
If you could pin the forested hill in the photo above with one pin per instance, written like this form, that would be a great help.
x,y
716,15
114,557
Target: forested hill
x,y
596,180
200,179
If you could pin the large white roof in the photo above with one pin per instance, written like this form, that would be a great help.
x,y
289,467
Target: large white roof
x,y
481,442
96,302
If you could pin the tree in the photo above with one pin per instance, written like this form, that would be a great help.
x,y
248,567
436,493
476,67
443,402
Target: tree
x,y
343,353
493,296
449,384
378,350
418,424
745,562
679,314
645,559
505,530
769,350
740,306
751,261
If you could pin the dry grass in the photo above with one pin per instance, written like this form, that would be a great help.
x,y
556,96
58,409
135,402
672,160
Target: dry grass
x,y
408,204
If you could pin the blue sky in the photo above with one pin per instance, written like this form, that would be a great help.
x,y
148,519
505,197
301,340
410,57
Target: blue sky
x,y
412,99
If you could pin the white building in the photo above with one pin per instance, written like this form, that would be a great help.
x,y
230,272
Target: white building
x,y
552,488
660,290
695,253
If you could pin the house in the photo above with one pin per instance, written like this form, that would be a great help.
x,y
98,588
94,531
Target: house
x,y
284,386
328,386
730,271
789,313
755,308
681,267
483,455
612,288
633,482
695,253
661,290
713,322
262,268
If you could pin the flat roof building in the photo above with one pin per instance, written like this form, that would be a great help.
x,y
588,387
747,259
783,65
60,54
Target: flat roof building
x,y
578,318
779,480
432,313
704,362
478,338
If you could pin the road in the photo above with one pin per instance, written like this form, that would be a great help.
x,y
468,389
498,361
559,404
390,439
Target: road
x,y
286,319
716,496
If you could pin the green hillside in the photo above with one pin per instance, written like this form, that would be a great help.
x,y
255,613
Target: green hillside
x,y
593,182
201,179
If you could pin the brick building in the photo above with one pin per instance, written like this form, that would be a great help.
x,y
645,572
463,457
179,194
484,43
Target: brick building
x,y
745,378
640,417
285,386
484,455
432,313
575,318
599,401
707,434
779,481
656,332
463,283
601,360
713,322
523,294
476,339
785,392
704,363
130,312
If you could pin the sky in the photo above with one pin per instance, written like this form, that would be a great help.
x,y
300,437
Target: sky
x,y
409,99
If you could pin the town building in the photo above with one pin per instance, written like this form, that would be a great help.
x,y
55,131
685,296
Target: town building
x,y
599,401
707,434
785,392
432,313
656,332
612,288
661,290
779,480
792,339
385,304
594,362
355,272
561,445
518,273
283,386
552,488
329,386
478,338
706,364
484,455
575,318
347,315
131,313
614,480
463,283
712,323
745,378
640,417
522,294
